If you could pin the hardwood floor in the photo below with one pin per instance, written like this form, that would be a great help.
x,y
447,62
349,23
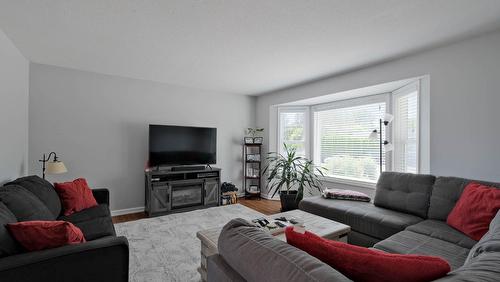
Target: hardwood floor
x,y
264,206
129,217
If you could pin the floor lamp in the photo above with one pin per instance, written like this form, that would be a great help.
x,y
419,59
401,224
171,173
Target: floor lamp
x,y
377,134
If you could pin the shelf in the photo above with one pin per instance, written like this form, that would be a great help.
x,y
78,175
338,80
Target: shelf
x,y
252,164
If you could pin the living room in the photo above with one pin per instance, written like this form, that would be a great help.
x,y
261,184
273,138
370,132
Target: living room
x,y
234,140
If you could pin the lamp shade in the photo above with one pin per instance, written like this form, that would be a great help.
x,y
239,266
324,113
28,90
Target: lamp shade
x,y
373,135
388,147
56,167
388,118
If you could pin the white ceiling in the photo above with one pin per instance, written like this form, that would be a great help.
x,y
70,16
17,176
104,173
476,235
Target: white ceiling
x,y
240,47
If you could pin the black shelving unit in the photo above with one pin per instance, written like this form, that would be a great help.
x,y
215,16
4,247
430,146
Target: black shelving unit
x,y
252,170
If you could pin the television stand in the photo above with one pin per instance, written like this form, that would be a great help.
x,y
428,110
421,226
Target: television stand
x,y
170,191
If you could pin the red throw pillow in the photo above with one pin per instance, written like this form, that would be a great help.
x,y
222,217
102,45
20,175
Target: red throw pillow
x,y
75,196
41,235
363,264
475,209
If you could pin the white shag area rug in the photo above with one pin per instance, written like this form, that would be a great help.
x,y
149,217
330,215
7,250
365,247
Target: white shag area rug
x,y
165,248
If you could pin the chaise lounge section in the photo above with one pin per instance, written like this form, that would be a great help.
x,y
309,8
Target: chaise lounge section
x,y
401,200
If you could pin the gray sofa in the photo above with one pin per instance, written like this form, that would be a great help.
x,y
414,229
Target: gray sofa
x,y
407,216
104,257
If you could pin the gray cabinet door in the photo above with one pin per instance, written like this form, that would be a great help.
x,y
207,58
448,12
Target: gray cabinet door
x,y
211,191
160,198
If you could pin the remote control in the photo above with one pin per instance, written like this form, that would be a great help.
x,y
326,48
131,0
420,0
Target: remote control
x,y
280,224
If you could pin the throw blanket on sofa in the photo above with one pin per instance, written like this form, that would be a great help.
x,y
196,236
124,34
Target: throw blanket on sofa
x,y
345,195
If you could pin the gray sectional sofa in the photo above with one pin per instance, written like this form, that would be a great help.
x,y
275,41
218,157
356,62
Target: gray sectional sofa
x,y
407,216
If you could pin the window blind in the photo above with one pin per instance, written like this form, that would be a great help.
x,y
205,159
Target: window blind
x,y
293,130
406,132
341,141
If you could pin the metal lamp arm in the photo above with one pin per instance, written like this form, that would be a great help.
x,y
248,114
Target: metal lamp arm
x,y
48,157
44,160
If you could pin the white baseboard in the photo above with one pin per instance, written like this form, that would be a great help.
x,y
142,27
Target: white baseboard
x,y
127,211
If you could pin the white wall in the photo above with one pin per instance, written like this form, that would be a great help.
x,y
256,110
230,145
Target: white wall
x,y
14,91
464,102
98,125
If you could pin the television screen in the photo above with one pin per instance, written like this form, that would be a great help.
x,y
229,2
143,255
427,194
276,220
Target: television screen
x,y
181,145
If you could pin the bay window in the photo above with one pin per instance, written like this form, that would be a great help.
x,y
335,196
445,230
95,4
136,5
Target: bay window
x,y
335,135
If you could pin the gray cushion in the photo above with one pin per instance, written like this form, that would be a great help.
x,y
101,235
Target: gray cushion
x,y
361,216
490,241
43,190
404,192
24,204
440,230
445,194
8,246
360,239
258,256
95,222
484,268
408,242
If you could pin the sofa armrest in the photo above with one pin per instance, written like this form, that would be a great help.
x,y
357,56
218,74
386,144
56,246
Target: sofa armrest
x,y
105,259
101,195
219,271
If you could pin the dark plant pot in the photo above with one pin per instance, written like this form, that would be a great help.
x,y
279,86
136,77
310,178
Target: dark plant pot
x,y
289,201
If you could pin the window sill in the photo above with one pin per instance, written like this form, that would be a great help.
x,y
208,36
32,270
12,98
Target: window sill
x,y
350,182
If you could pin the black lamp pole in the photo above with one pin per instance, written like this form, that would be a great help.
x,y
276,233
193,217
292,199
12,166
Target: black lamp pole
x,y
382,142
44,160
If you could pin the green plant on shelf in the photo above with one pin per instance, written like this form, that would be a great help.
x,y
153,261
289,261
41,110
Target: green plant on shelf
x,y
254,131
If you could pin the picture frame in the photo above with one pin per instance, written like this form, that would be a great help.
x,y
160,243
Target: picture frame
x,y
258,140
254,188
248,140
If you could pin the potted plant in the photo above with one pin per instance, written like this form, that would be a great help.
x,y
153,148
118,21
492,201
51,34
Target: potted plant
x,y
254,131
289,175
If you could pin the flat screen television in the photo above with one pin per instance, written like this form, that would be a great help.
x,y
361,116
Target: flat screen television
x,y
182,145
